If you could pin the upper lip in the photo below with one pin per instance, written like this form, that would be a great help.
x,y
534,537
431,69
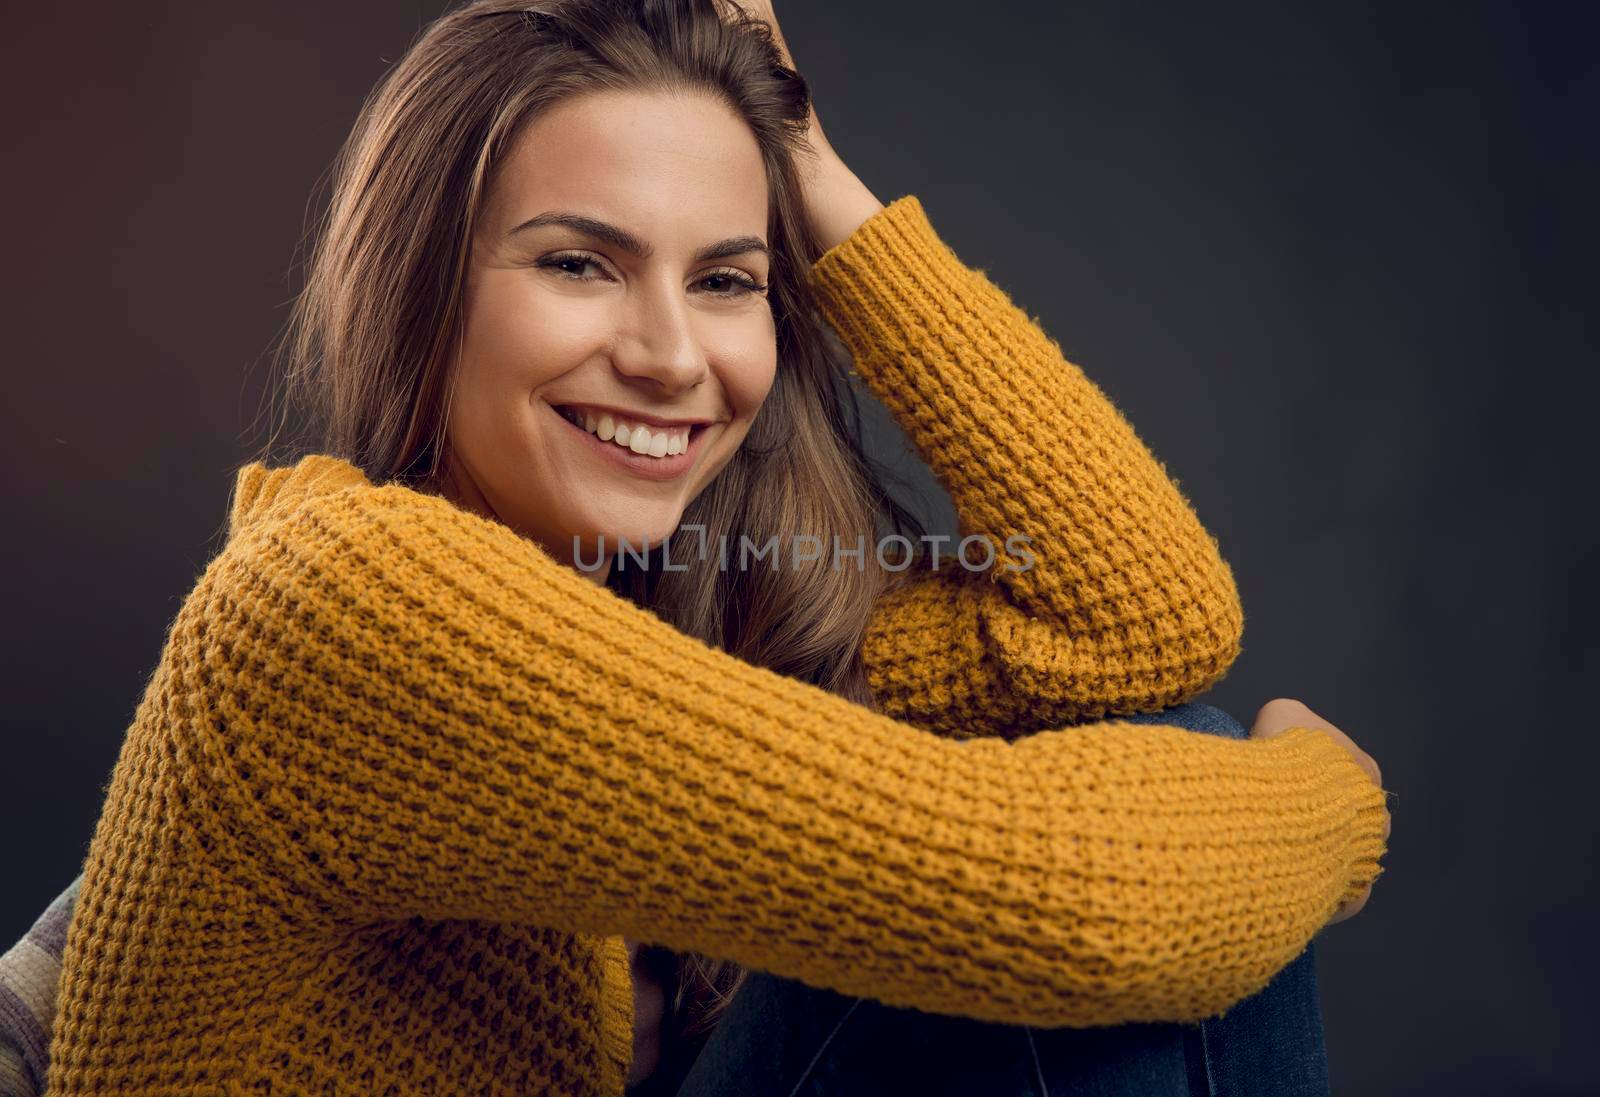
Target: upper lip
x,y
630,416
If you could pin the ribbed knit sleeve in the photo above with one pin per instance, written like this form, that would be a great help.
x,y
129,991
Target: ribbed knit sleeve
x,y
1128,605
413,711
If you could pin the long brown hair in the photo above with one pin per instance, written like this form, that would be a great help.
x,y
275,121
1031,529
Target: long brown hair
x,y
368,350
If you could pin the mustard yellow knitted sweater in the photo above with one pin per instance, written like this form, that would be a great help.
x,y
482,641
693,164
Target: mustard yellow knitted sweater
x,y
401,783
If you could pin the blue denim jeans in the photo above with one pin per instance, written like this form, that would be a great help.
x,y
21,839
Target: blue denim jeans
x,y
785,1039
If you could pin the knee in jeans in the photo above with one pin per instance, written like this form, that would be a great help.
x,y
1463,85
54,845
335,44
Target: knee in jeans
x,y
1197,716
1218,721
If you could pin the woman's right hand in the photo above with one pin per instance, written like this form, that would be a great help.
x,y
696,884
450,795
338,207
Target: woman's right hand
x,y
1282,713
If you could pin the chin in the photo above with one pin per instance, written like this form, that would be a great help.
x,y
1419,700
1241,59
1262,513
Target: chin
x,y
638,532
651,534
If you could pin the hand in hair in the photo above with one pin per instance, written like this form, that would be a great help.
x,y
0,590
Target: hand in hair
x,y
836,201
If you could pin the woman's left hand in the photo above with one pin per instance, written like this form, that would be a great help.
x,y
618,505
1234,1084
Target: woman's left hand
x,y
836,200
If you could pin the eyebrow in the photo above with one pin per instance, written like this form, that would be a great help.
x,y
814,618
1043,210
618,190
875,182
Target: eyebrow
x,y
628,242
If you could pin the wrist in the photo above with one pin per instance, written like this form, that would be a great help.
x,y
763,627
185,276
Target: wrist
x,y
837,203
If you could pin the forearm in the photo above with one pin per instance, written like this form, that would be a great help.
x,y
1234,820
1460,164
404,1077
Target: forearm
x,y
421,714
838,201
1024,441
1116,598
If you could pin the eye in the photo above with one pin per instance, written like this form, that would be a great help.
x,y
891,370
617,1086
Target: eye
x,y
568,259
727,282
736,283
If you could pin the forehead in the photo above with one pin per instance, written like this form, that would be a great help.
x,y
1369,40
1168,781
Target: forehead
x,y
677,168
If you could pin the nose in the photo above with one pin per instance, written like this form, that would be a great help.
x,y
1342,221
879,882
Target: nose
x,y
659,346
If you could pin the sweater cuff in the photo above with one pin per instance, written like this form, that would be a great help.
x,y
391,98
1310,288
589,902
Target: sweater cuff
x,y
1362,803
890,282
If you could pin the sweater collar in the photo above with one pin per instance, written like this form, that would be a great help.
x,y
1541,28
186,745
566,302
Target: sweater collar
x,y
259,491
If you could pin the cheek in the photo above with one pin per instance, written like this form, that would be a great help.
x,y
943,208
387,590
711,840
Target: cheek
x,y
753,387
750,369
517,338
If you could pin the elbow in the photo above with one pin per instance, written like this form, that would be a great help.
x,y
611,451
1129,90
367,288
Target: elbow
x,y
1214,627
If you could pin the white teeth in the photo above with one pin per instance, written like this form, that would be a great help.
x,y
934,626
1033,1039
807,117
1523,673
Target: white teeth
x,y
656,442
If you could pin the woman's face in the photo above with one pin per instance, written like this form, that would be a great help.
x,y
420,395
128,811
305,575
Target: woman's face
x,y
609,280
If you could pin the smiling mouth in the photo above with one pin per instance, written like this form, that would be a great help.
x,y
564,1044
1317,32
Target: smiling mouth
x,y
651,451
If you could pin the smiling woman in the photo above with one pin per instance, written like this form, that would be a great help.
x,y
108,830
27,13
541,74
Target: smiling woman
x,y
572,307
409,793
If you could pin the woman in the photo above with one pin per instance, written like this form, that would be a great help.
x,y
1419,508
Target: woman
x,y
426,754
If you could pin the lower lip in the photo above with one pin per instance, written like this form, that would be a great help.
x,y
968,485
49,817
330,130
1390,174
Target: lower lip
x,y
650,468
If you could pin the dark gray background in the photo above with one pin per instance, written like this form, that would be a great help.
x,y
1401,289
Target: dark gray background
x,y
1330,258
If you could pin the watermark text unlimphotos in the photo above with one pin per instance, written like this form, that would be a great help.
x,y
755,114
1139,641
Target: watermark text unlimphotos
x,y
974,553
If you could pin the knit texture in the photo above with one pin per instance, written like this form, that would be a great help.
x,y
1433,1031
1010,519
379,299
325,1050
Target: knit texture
x,y
1129,605
401,783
